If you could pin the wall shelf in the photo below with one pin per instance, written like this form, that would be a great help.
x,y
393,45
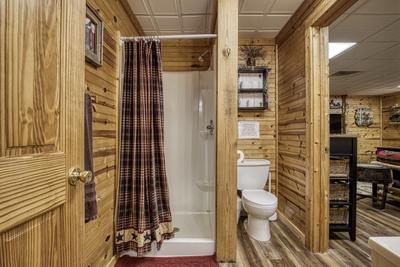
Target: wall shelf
x,y
252,88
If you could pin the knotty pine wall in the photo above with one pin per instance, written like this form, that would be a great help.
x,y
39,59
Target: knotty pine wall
x,y
368,138
292,128
266,146
390,130
102,83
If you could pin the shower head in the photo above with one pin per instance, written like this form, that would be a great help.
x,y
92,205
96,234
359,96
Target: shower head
x,y
200,58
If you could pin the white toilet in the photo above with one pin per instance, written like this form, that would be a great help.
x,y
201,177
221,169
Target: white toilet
x,y
259,204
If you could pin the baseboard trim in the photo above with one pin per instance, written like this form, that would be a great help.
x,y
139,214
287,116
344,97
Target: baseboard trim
x,y
293,228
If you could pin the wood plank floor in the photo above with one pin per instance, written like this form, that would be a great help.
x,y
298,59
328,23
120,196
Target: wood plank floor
x,y
284,249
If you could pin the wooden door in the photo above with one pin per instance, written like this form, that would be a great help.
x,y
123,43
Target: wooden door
x,y
41,132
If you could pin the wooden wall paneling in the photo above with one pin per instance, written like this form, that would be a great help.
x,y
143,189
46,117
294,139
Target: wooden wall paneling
x,y
41,107
266,146
103,84
183,55
368,138
390,130
291,130
292,137
227,64
317,139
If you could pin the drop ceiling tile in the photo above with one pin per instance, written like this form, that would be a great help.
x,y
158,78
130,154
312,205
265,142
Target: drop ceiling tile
x,y
337,64
389,34
256,6
164,7
379,7
194,6
193,22
356,6
168,23
138,7
365,50
285,6
390,53
368,65
268,33
250,22
275,22
366,22
146,23
348,35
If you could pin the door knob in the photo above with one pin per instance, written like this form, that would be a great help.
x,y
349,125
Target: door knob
x,y
76,175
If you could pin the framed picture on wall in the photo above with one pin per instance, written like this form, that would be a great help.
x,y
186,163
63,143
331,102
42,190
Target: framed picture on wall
x,y
363,117
93,37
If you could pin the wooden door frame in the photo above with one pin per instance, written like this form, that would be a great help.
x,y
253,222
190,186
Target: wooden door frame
x,y
317,139
73,82
227,112
317,121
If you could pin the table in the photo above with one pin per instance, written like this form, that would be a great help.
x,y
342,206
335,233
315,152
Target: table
x,y
375,174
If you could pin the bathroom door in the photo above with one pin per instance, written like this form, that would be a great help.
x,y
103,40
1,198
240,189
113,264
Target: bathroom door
x,y
41,132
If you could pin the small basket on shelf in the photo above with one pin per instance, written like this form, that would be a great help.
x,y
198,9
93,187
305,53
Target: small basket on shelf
x,y
339,166
339,191
338,215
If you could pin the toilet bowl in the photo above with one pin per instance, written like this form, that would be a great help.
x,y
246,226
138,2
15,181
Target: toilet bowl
x,y
259,205
239,209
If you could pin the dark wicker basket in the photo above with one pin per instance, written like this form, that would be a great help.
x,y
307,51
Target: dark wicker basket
x,y
339,167
339,215
339,191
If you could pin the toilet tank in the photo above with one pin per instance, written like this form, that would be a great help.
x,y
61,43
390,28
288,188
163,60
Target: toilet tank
x,y
252,173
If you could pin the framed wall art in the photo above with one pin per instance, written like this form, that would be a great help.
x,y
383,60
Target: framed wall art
x,y
395,114
363,117
93,37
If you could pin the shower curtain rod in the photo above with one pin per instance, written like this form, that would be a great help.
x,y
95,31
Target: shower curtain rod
x,y
169,37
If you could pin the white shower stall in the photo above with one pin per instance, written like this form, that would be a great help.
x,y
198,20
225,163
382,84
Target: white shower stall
x,y
189,112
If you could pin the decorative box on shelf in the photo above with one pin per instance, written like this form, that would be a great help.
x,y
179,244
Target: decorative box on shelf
x,y
252,88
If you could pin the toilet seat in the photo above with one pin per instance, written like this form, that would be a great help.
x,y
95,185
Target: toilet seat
x,y
259,198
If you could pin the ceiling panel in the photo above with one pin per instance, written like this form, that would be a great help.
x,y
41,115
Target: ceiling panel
x,y
285,6
265,18
389,34
391,53
159,17
375,26
138,6
348,35
274,22
164,7
365,50
195,22
257,18
194,6
250,22
168,23
379,7
256,6
146,23
367,22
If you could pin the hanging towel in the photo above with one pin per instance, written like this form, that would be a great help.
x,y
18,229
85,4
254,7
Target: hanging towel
x,y
90,188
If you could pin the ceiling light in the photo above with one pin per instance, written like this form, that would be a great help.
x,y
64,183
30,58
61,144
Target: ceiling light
x,y
338,48
398,86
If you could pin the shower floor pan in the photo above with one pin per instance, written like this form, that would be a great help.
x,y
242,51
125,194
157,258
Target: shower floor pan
x,y
194,237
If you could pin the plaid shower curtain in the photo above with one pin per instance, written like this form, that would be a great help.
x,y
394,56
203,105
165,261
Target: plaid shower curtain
x,y
143,213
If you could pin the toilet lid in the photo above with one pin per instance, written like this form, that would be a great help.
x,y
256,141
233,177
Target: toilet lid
x,y
260,197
